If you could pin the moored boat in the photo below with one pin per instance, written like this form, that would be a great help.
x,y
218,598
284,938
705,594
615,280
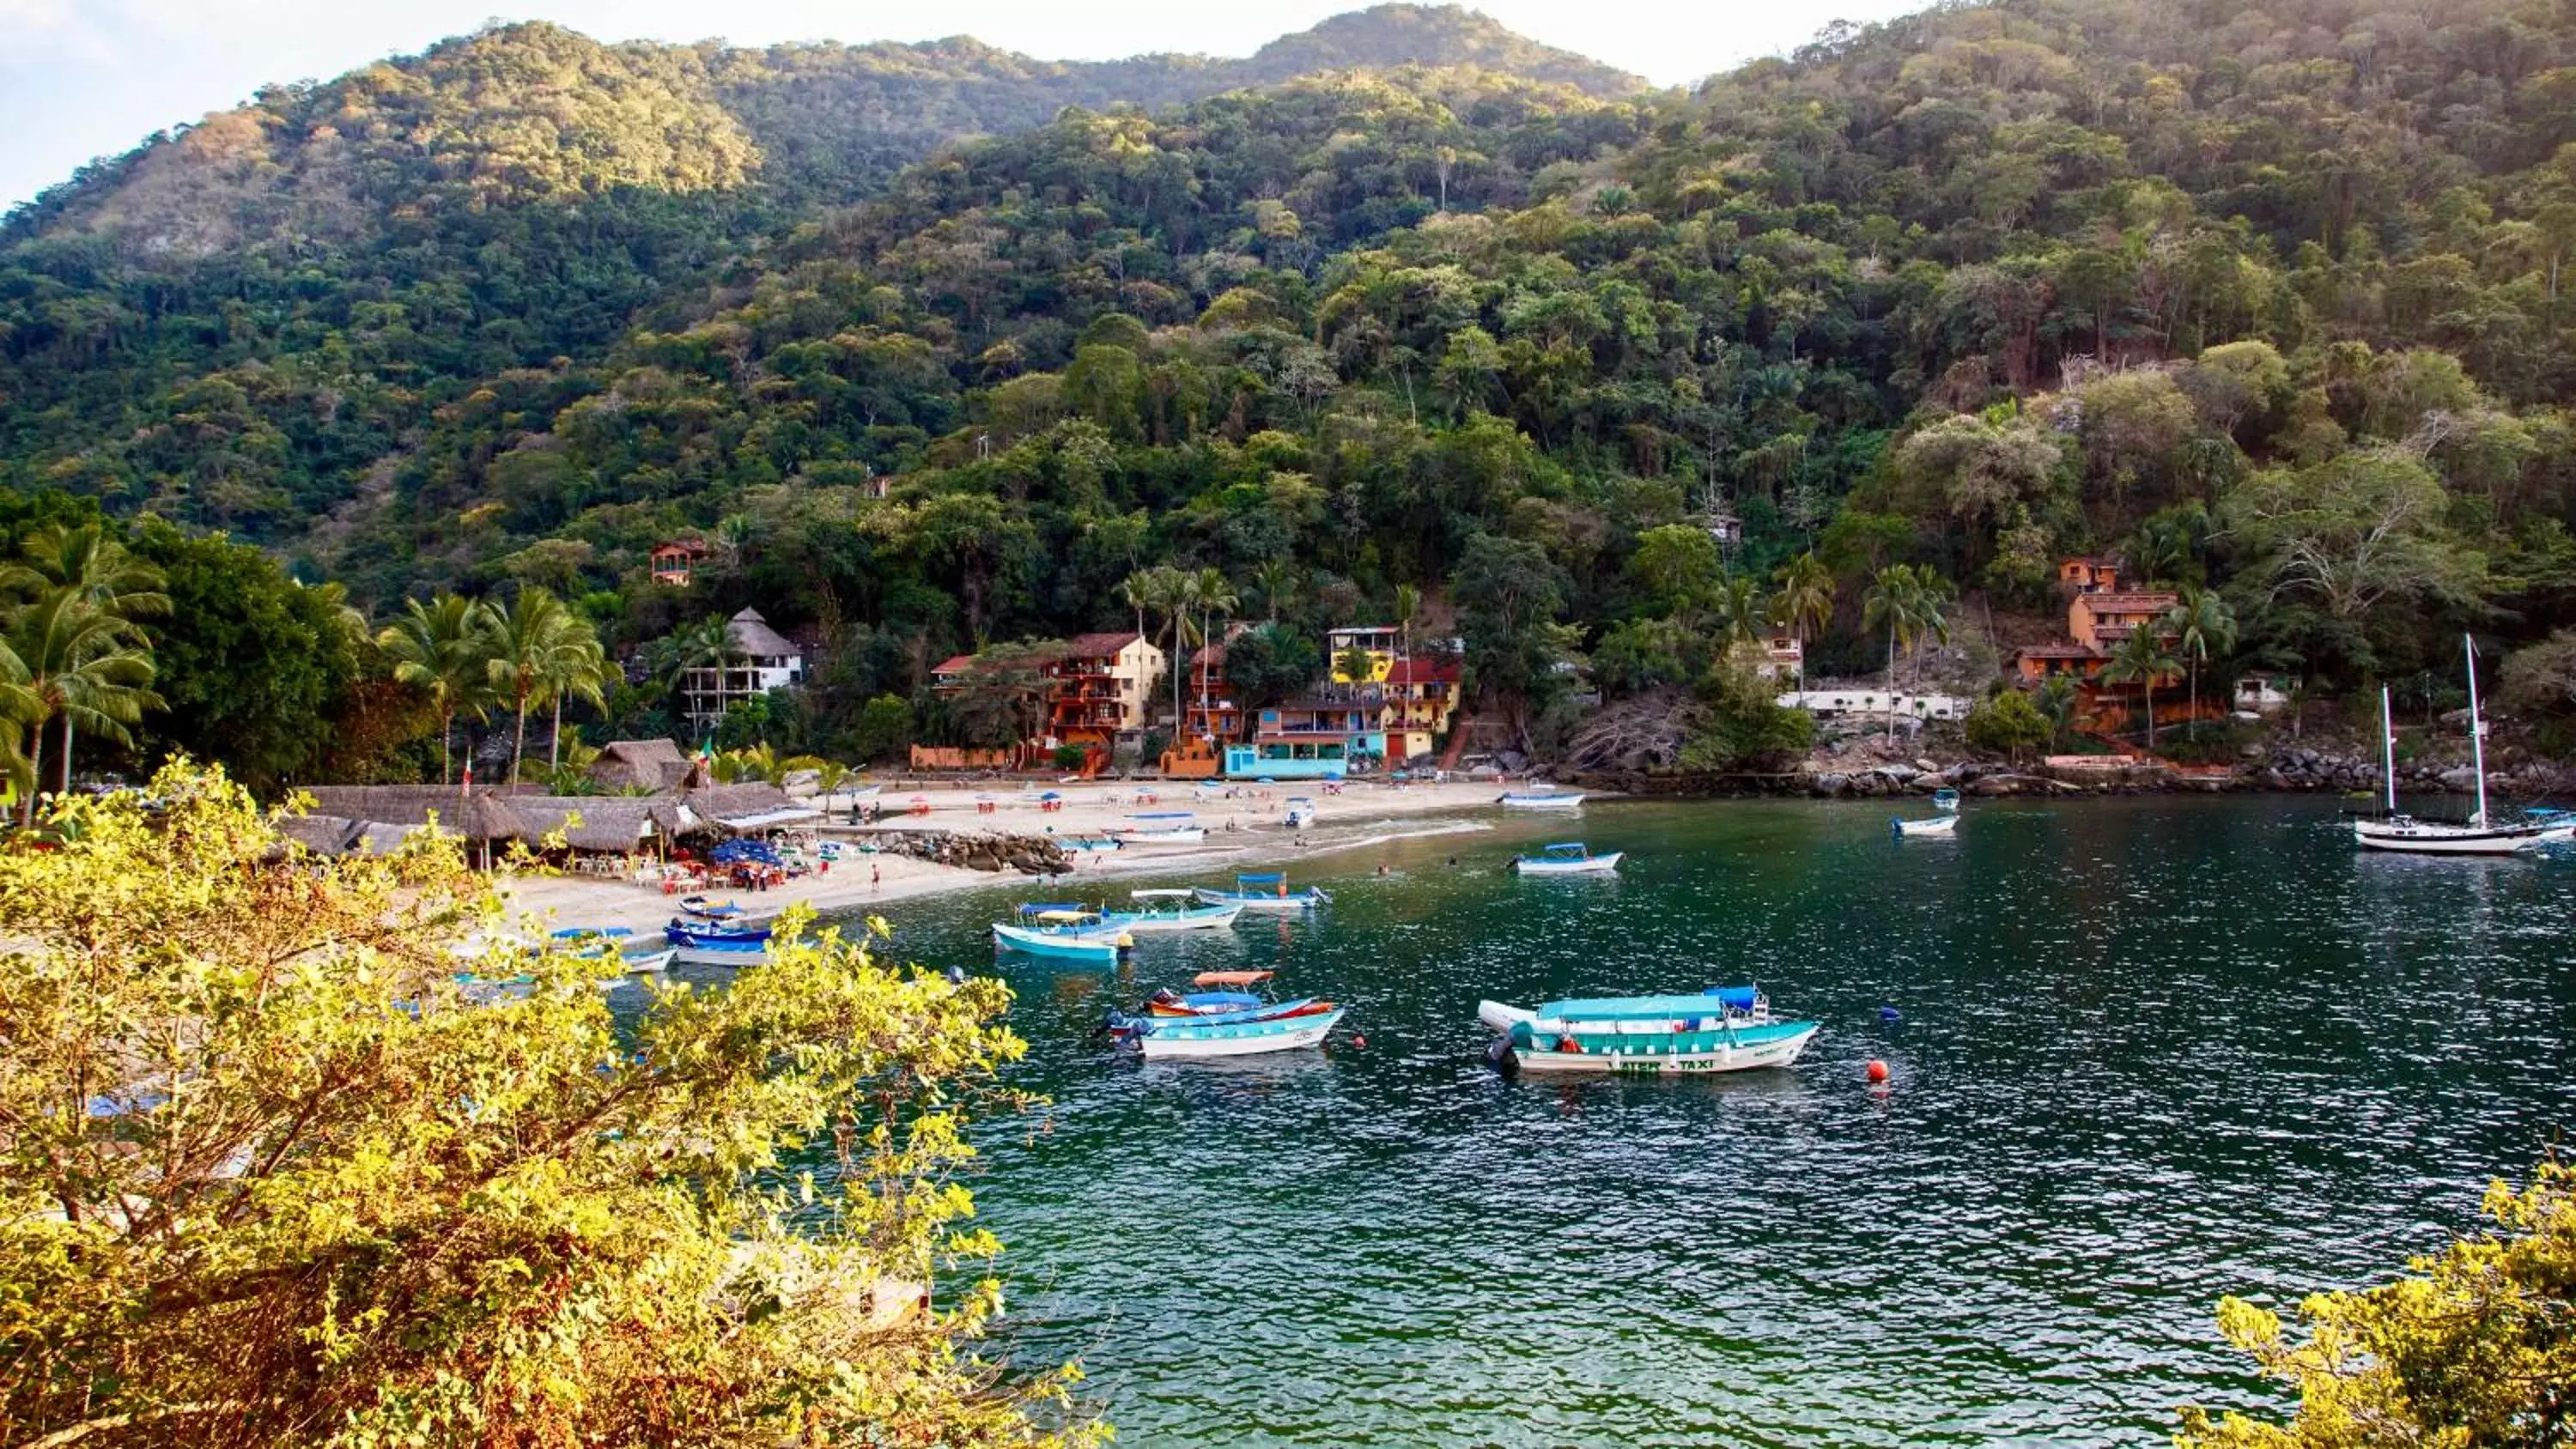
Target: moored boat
x,y
1162,827
1161,912
1538,800
1729,1029
1571,857
636,958
1267,891
1183,1038
1204,1001
1945,798
1933,825
1062,933
2479,835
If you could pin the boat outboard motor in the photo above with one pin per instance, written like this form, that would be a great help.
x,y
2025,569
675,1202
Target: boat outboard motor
x,y
956,975
1498,1055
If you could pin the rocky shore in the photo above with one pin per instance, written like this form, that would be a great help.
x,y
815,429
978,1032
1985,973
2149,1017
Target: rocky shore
x,y
2289,769
985,850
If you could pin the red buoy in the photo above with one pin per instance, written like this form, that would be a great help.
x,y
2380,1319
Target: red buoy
x,y
1877,1073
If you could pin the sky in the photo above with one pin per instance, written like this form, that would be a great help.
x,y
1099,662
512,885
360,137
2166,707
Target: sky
x,y
80,79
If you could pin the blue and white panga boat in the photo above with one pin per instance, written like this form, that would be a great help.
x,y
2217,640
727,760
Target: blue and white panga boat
x,y
639,958
1538,799
1161,827
1301,811
696,943
1063,933
1945,798
1264,892
1203,1002
1571,857
1158,912
1288,1027
1724,1029
1930,825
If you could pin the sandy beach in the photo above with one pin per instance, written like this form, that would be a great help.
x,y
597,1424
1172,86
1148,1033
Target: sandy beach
x,y
1364,813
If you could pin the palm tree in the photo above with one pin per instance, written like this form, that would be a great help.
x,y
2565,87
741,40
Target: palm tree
x,y
1275,577
441,647
1186,588
1804,598
521,642
2142,658
82,667
2200,621
1408,606
2058,696
706,644
1936,594
1216,599
101,573
19,709
1739,605
1899,599
575,666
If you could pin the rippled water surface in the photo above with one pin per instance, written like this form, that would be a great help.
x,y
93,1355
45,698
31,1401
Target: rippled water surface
x,y
2150,1051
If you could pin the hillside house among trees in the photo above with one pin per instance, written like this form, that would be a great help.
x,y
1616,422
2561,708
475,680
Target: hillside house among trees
x,y
759,659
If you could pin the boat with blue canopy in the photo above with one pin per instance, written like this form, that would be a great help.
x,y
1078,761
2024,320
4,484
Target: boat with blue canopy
x,y
1723,1029
1063,932
1233,994
1162,912
1570,857
1267,891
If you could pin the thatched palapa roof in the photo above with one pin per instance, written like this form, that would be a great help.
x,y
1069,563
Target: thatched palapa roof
x,y
641,765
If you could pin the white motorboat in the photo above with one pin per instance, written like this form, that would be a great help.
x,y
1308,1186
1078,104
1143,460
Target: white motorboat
x,y
1568,858
1939,825
1539,800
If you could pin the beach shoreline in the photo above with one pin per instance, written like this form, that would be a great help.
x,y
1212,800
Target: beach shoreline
x,y
1246,831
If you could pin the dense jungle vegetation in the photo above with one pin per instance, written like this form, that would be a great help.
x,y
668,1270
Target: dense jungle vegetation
x,y
2266,297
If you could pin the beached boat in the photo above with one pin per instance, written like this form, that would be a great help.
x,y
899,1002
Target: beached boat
x,y
1231,994
1938,825
1090,843
637,958
1185,1038
1572,857
1161,912
2479,835
1063,933
1301,812
706,910
1728,1029
697,943
1267,892
1945,799
1162,827
1539,800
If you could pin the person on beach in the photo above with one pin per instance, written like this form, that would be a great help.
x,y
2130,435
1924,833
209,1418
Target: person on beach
x,y
876,876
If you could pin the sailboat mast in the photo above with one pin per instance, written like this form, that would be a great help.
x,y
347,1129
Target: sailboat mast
x,y
2388,751
2477,730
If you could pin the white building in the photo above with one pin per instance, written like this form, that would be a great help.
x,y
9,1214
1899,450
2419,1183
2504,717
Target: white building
x,y
1827,703
759,659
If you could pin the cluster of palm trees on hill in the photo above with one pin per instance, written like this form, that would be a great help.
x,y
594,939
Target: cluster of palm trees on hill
x,y
73,655
1190,602
471,656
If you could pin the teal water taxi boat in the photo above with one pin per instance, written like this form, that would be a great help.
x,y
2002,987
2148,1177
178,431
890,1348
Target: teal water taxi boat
x,y
1160,912
1725,1029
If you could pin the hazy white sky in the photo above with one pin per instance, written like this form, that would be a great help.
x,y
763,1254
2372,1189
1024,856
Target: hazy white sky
x,y
86,78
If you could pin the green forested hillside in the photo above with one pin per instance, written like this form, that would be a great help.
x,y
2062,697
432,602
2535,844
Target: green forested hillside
x,y
233,323
2266,296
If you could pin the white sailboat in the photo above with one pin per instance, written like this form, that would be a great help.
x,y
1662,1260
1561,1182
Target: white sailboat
x,y
2398,831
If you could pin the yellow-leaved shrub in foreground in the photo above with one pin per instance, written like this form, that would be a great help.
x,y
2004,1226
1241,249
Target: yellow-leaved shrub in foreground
x,y
270,1174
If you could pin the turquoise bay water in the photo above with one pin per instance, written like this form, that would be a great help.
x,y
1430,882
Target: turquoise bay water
x,y
2151,1051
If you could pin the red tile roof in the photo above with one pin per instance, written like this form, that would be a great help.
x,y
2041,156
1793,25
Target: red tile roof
x,y
954,664
1098,646
1422,671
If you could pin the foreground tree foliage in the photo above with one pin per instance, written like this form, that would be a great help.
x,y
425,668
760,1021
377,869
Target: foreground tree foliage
x,y
271,1174
2477,1348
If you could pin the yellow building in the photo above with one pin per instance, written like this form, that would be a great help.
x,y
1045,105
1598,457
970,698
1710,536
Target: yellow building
x,y
1383,643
